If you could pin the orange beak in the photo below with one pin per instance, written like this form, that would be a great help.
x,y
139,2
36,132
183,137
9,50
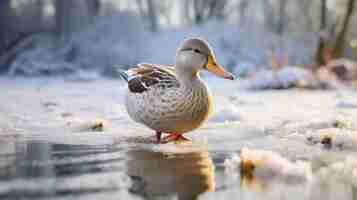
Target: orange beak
x,y
217,70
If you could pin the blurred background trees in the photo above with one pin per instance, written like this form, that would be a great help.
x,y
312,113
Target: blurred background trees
x,y
66,24
74,16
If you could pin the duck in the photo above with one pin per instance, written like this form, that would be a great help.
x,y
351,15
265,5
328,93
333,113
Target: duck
x,y
173,100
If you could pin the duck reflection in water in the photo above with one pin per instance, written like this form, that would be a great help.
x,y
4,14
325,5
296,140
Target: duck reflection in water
x,y
157,174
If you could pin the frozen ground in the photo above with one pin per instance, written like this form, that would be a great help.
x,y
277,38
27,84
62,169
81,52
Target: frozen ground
x,y
70,139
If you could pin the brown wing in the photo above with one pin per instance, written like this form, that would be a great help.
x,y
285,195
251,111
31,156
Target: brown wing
x,y
145,76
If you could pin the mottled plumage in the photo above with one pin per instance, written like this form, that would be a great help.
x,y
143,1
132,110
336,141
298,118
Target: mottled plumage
x,y
173,99
145,76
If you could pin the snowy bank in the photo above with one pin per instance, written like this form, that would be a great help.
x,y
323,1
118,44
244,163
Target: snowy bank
x,y
267,165
285,78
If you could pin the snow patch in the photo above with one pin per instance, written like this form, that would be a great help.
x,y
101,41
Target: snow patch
x,y
266,165
328,175
79,125
333,138
346,104
227,114
285,78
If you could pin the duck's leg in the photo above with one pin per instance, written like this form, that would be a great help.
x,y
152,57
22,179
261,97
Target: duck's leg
x,y
158,136
175,137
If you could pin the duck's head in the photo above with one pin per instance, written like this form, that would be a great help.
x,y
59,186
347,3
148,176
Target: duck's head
x,y
194,55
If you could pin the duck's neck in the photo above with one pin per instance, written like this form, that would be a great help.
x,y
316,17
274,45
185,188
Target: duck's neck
x,y
195,93
188,78
187,74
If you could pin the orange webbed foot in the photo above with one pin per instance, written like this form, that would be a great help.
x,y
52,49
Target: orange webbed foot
x,y
174,137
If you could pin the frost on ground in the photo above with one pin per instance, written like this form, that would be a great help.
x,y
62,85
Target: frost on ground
x,y
229,114
79,125
285,78
77,106
280,128
266,165
291,77
320,178
346,104
334,138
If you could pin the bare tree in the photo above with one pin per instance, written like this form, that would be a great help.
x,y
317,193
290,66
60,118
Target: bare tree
x,y
165,10
71,17
305,8
204,10
6,30
18,24
320,61
153,15
242,9
38,14
275,15
141,8
5,24
93,7
217,8
282,17
185,10
268,11
199,11
30,16
341,37
148,10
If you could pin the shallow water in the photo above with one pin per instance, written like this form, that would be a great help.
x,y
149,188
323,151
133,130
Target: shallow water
x,y
45,169
48,168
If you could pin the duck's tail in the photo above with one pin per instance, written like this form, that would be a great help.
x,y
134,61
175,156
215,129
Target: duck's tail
x,y
123,75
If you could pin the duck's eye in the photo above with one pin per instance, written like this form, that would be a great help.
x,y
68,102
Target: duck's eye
x,y
196,51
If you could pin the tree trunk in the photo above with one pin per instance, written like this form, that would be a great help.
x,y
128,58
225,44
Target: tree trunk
x,y
320,61
198,11
141,8
93,7
38,15
6,32
152,14
341,37
282,17
185,9
309,20
269,17
242,9
71,17
216,9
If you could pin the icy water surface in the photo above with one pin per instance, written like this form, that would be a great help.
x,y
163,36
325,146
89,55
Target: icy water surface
x,y
45,169
48,168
